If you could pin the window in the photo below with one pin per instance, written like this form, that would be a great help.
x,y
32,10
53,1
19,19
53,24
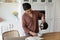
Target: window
x,y
49,0
26,0
42,0
34,0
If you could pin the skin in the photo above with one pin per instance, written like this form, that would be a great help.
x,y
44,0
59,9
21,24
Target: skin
x,y
30,14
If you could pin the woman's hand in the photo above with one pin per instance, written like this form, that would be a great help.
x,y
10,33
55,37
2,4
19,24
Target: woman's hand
x,y
32,33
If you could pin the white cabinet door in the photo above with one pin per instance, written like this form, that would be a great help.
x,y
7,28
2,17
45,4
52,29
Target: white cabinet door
x,y
57,16
50,17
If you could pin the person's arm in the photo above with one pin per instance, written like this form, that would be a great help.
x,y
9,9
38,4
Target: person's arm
x,y
24,25
42,17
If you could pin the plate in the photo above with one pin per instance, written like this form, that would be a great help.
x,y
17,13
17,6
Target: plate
x,y
33,38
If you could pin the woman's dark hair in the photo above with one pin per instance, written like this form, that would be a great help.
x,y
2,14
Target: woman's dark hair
x,y
26,6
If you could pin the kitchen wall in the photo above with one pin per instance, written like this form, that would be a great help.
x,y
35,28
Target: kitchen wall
x,y
6,14
6,10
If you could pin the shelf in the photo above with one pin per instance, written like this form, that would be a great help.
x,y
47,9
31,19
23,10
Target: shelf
x,y
8,2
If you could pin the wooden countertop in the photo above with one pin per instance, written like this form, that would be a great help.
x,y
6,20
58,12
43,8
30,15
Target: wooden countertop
x,y
52,36
47,36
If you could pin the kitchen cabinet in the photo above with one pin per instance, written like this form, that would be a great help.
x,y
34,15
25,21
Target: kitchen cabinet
x,y
57,16
36,1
